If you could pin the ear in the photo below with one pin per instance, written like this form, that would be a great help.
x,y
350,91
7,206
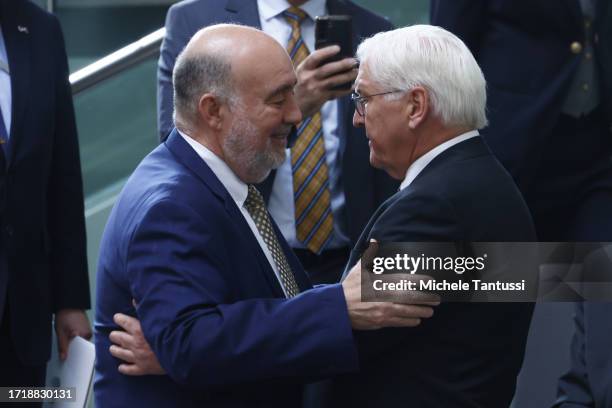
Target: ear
x,y
210,111
417,107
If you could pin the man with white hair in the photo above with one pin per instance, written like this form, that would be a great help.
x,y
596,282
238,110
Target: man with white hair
x,y
421,97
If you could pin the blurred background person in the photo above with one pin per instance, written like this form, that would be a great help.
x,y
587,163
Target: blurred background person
x,y
548,67
43,269
549,71
326,175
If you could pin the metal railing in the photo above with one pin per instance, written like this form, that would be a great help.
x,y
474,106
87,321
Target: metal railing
x,y
118,61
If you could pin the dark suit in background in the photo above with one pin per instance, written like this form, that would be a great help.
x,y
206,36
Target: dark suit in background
x,y
536,56
588,382
545,62
467,354
364,187
42,229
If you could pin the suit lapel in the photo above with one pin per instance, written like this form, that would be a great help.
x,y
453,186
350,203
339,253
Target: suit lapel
x,y
244,12
190,159
16,31
363,241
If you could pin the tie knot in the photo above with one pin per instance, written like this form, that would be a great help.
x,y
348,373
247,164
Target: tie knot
x,y
294,15
254,199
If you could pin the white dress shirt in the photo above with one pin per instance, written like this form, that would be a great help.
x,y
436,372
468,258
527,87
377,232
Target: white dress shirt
x,y
281,204
419,164
237,189
5,86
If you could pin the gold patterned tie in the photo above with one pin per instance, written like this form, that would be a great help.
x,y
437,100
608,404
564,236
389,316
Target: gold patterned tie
x,y
256,206
313,217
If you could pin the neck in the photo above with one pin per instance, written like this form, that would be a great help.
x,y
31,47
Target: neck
x,y
434,137
205,140
297,3
427,139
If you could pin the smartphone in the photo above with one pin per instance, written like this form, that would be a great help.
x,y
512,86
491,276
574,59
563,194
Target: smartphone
x,y
335,30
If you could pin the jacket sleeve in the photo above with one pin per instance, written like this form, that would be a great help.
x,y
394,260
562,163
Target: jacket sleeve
x,y
175,40
65,212
464,18
179,274
573,389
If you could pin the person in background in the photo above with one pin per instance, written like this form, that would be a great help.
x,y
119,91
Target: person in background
x,y
549,72
323,194
43,266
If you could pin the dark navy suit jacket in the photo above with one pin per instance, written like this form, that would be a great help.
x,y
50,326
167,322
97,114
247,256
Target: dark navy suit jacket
x,y
467,354
588,383
42,223
524,50
208,300
365,188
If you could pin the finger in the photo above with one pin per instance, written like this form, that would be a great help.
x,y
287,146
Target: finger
x,y
121,338
86,334
411,298
410,311
317,57
130,369
335,68
369,254
403,322
127,323
122,354
62,344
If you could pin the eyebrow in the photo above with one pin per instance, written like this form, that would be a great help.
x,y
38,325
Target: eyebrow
x,y
280,90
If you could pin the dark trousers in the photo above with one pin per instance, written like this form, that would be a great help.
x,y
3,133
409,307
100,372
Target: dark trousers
x,y
571,196
326,267
13,373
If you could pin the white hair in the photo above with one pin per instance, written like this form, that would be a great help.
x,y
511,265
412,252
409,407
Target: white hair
x,y
431,57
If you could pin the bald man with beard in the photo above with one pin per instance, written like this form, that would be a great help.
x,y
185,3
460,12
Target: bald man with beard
x,y
191,250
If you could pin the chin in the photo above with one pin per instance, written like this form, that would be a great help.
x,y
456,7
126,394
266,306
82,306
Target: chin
x,y
374,162
259,177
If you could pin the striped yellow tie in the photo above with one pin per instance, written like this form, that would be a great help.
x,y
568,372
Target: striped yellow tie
x,y
313,216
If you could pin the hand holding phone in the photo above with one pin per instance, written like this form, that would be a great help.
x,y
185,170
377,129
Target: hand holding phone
x,y
329,71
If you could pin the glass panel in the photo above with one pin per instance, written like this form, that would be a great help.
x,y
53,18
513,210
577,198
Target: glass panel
x,y
401,13
117,126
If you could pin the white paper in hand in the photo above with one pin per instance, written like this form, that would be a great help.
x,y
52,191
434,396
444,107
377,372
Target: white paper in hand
x,y
77,372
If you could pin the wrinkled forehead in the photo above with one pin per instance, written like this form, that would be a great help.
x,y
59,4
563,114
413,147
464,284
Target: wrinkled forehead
x,y
263,69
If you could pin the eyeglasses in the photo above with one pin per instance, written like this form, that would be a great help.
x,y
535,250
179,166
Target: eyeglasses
x,y
360,101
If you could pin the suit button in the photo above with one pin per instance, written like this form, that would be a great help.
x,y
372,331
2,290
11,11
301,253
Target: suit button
x,y
576,47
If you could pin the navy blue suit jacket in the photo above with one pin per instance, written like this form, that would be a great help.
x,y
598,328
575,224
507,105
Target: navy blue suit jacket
x,y
467,354
42,225
523,48
588,383
365,187
208,300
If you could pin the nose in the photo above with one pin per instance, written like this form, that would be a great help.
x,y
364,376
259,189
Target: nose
x,y
293,114
357,119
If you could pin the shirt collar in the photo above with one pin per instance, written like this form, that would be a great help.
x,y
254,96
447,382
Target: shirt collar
x,y
234,186
419,164
269,9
